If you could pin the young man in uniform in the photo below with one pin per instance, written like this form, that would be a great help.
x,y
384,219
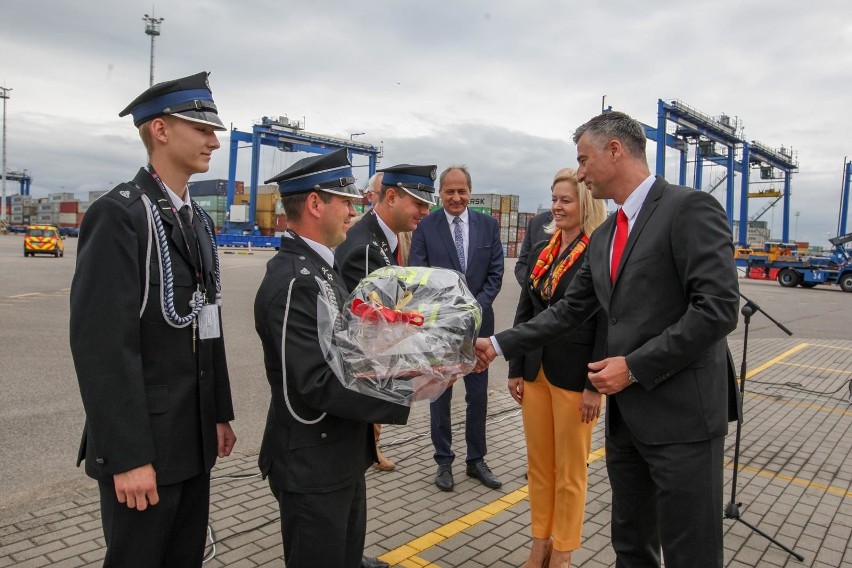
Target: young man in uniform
x,y
318,440
147,342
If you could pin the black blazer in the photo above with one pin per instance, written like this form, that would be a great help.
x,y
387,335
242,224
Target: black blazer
x,y
319,438
565,359
674,301
148,397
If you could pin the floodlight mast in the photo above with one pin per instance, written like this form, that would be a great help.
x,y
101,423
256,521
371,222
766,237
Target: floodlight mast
x,y
152,28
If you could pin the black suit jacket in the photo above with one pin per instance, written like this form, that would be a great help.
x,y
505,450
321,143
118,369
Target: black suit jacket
x,y
432,245
669,310
365,249
318,438
148,397
565,359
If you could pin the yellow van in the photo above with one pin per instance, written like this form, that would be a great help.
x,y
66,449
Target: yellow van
x,y
43,239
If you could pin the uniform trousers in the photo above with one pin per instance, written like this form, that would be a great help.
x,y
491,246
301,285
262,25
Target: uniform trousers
x,y
664,495
323,529
558,445
170,534
476,403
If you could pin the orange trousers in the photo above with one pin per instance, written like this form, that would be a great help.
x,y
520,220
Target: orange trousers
x,y
558,445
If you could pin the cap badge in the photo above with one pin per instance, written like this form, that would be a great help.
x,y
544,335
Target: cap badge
x,y
124,193
305,271
434,173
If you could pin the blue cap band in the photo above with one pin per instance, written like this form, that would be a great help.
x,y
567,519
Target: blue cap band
x,y
391,178
308,182
154,108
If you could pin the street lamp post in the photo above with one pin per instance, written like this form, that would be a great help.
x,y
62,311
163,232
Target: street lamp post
x,y
796,229
4,94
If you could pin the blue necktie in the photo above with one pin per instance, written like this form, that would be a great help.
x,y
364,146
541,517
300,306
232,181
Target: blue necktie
x,y
457,237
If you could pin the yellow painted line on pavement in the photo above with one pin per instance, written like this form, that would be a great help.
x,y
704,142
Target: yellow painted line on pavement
x,y
26,295
829,369
406,555
763,367
796,481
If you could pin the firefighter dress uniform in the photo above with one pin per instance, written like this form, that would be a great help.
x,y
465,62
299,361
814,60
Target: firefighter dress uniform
x,y
318,440
153,384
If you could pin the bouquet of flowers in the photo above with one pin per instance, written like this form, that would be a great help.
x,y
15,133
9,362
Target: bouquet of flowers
x,y
405,332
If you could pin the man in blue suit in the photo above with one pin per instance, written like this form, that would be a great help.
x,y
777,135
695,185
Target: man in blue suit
x,y
467,241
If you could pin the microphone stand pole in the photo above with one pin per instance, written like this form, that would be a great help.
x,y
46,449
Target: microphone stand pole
x,y
732,510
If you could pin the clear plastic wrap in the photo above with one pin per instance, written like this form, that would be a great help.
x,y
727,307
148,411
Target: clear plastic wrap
x,y
404,333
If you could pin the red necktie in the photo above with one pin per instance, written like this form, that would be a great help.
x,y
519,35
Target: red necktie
x,y
618,243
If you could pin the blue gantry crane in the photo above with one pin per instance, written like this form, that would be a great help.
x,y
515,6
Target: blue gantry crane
x,y
288,136
717,140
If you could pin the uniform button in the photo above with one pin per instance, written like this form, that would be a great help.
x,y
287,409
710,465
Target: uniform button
x,y
613,321
101,461
323,435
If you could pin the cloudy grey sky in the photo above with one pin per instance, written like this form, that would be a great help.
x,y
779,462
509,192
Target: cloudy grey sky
x,y
498,85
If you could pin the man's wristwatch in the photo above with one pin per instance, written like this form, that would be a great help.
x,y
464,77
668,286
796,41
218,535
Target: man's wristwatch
x,y
631,377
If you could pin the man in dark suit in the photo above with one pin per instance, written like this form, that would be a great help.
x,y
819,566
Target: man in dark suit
x,y
467,241
662,270
147,342
533,235
318,440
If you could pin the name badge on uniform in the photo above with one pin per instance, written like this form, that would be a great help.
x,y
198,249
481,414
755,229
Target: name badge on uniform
x,y
208,322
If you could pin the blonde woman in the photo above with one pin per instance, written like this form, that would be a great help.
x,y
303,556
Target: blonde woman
x,y
559,405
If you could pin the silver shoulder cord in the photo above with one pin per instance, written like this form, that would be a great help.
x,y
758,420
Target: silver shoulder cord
x,y
167,303
284,362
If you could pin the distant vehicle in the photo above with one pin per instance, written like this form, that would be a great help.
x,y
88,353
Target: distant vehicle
x,y
69,231
43,239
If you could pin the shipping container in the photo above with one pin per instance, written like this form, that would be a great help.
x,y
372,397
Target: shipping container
x,y
265,219
242,198
485,210
239,187
513,234
266,202
505,203
268,188
68,206
485,200
67,218
51,207
17,209
211,202
83,207
516,202
80,217
16,219
505,249
513,219
522,231
504,234
512,250
208,187
63,196
496,214
21,200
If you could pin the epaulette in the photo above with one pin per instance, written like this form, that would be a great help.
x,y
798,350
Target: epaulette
x,y
125,193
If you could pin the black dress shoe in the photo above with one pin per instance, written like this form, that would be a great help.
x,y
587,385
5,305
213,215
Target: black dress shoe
x,y
367,562
444,478
480,471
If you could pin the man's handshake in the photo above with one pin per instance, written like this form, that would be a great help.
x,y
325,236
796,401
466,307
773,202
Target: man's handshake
x,y
485,353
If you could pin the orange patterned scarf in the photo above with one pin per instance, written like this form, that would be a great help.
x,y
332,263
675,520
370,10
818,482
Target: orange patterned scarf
x,y
545,280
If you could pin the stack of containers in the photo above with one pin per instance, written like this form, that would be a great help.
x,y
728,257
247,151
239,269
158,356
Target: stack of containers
x,y
212,196
266,209
68,214
512,223
23,210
